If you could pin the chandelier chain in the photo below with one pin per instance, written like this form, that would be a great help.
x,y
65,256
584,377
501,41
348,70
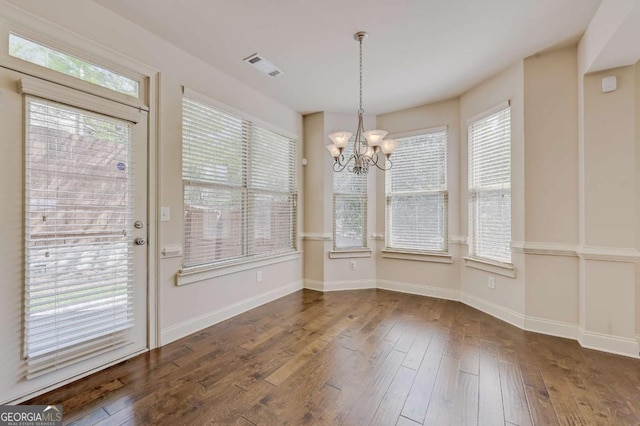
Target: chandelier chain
x,y
360,110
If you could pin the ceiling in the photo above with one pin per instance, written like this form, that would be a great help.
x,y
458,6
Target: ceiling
x,y
418,51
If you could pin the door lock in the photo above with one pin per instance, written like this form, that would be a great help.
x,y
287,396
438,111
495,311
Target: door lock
x,y
140,241
138,224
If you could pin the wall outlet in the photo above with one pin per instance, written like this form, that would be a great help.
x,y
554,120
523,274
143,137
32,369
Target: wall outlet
x,y
352,265
491,283
259,276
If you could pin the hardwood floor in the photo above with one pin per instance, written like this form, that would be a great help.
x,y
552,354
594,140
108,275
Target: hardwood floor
x,y
368,357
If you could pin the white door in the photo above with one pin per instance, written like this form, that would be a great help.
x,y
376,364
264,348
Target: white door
x,y
74,219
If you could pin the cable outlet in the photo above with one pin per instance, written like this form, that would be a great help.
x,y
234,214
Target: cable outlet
x,y
352,265
259,276
491,283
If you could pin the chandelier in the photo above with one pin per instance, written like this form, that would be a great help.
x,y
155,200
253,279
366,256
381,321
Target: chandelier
x,y
370,148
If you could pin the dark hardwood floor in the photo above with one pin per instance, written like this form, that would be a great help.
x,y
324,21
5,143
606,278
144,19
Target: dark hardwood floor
x,y
360,357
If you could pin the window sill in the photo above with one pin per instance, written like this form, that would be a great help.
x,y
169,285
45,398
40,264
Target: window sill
x,y
500,268
418,256
201,273
349,253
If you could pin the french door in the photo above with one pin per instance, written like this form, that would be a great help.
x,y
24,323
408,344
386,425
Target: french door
x,y
77,214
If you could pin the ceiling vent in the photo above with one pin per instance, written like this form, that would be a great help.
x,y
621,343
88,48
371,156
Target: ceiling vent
x,y
262,65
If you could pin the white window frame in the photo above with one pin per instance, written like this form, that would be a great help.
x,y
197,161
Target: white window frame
x,y
479,260
191,274
437,256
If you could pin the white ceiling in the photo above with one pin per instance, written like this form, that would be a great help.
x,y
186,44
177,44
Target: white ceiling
x,y
418,51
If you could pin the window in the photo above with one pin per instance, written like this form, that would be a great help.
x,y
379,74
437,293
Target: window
x,y
416,192
64,63
490,186
349,208
239,187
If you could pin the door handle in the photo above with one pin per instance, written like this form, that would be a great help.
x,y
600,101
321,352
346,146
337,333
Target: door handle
x,y
140,241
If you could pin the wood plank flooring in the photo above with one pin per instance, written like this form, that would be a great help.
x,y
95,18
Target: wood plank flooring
x,y
368,357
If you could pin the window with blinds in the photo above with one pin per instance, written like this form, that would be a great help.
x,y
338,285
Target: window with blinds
x,y
239,187
490,186
416,194
78,222
349,208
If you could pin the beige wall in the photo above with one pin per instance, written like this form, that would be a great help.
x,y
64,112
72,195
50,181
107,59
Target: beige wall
x,y
551,184
608,276
551,134
322,271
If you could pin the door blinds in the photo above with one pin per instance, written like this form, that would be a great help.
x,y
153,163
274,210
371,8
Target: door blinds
x,y
490,186
239,187
417,198
78,251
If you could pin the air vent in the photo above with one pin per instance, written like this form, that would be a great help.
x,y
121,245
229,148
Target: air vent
x,y
263,65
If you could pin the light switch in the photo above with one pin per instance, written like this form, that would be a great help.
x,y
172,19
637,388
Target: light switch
x,y
165,214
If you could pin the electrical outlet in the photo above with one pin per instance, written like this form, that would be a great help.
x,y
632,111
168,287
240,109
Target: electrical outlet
x,y
491,283
259,276
352,265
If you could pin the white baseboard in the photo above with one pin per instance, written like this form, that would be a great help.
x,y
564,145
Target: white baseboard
x,y
422,290
349,285
551,327
607,343
193,325
493,309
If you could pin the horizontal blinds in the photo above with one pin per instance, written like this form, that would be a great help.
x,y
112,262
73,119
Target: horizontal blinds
x,y
417,199
213,148
490,186
272,198
78,255
350,215
349,207
239,187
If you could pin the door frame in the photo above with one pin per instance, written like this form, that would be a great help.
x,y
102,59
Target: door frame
x,y
14,19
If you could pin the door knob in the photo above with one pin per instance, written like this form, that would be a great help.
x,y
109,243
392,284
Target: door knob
x,y
140,241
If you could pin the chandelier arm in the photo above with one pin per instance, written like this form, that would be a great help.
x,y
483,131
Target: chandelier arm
x,y
386,163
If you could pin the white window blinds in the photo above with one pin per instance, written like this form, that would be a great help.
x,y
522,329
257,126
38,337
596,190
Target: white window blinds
x,y
349,208
416,192
78,223
490,186
239,187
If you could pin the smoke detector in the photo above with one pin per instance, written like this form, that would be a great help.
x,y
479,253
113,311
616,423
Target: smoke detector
x,y
264,66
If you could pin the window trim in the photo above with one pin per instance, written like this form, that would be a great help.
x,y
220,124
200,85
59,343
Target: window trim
x,y
473,260
201,272
437,256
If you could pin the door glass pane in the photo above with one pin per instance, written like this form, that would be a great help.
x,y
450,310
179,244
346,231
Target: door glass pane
x,y
78,207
